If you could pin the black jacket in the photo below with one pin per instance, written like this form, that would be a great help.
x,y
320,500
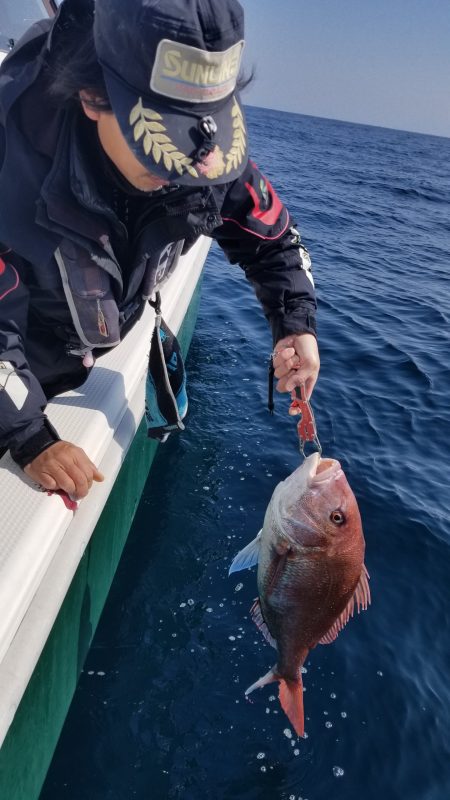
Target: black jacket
x,y
65,288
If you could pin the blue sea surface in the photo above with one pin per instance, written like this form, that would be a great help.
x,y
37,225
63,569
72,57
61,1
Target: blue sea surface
x,y
160,713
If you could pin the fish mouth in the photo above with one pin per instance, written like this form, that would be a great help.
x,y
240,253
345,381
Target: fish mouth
x,y
323,470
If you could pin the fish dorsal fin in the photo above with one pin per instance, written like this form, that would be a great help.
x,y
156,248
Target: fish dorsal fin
x,y
360,598
258,619
248,557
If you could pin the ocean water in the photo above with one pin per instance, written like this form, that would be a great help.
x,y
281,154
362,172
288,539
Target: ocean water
x,y
160,713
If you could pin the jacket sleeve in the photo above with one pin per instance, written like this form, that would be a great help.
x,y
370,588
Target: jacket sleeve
x,y
24,428
257,233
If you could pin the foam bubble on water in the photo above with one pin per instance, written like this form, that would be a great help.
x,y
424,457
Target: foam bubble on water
x,y
304,670
296,752
338,772
328,724
206,488
209,610
190,602
238,587
261,755
380,673
232,638
343,714
272,698
263,769
182,605
333,696
288,733
267,710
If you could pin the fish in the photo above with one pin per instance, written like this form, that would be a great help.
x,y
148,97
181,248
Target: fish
x,y
311,572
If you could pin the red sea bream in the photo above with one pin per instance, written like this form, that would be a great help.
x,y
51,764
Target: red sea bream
x,y
311,573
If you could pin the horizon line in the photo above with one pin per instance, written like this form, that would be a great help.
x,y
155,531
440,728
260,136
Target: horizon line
x,y
351,122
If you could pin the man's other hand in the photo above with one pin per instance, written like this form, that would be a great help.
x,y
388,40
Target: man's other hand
x,y
64,466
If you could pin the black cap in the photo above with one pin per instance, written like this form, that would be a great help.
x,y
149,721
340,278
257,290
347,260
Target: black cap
x,y
170,68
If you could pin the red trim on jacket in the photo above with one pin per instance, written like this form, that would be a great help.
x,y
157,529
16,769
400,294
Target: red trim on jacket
x,y
11,288
270,215
259,235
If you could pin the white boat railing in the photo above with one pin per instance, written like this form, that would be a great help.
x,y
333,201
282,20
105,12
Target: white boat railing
x,y
41,541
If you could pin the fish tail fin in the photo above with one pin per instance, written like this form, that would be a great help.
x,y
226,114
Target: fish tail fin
x,y
290,695
291,699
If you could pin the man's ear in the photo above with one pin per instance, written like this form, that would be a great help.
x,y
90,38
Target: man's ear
x,y
87,99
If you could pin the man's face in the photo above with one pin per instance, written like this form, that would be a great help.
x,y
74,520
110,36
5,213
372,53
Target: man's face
x,y
116,147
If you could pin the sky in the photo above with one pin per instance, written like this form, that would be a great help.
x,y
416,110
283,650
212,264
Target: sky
x,y
379,62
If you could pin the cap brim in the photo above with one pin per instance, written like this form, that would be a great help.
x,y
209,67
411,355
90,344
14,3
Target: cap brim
x,y
165,139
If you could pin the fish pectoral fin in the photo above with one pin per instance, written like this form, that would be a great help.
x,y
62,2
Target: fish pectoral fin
x,y
360,598
258,619
248,557
269,677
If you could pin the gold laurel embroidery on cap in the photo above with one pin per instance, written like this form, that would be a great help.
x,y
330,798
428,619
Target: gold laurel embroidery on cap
x,y
237,152
156,142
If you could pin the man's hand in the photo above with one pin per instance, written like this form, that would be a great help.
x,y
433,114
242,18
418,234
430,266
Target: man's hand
x,y
64,466
296,360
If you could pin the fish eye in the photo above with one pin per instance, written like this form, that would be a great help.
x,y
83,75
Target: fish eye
x,y
337,517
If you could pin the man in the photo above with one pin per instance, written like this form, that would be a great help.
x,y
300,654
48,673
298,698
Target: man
x,y
122,135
